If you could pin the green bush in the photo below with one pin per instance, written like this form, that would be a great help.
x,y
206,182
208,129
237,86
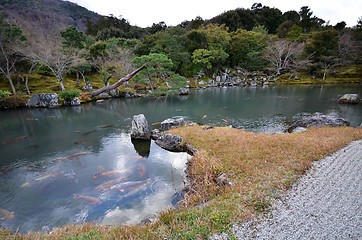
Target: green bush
x,y
4,94
69,95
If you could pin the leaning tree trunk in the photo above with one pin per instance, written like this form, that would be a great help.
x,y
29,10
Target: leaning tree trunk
x,y
11,84
61,84
77,76
117,84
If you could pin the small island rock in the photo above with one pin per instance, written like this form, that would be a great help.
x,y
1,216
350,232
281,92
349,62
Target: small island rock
x,y
183,91
140,129
349,98
318,120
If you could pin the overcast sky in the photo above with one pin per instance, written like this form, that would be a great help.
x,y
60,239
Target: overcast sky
x,y
144,13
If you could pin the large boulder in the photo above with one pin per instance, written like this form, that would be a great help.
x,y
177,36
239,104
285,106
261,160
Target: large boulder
x,y
183,91
170,142
349,98
75,102
103,95
43,100
171,123
174,143
87,87
115,93
140,129
318,120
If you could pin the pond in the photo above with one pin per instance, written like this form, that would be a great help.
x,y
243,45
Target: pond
x,y
76,164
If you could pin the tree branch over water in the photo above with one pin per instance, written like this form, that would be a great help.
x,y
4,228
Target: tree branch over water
x,y
117,84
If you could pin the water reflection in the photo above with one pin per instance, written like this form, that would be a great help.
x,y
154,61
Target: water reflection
x,y
142,147
54,161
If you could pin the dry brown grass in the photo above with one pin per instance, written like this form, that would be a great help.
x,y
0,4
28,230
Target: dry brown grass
x,y
261,167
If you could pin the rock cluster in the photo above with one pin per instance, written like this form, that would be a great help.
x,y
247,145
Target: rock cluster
x,y
43,100
318,120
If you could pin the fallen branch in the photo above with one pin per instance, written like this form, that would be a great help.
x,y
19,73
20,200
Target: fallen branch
x,y
117,84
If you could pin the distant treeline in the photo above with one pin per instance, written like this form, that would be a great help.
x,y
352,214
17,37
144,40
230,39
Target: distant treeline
x,y
256,39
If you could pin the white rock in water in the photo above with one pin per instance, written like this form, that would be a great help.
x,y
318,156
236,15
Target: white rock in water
x,y
349,98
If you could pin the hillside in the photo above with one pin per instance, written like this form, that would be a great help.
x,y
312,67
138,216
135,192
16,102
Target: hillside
x,y
46,15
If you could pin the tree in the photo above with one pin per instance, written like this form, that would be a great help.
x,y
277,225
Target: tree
x,y
49,52
111,59
324,47
73,38
74,42
158,66
246,49
307,21
11,40
282,54
211,53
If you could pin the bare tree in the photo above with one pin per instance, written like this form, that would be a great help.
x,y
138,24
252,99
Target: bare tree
x,y
49,52
11,40
114,61
328,62
282,54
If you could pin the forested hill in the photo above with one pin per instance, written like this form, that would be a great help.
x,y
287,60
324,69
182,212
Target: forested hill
x,y
50,15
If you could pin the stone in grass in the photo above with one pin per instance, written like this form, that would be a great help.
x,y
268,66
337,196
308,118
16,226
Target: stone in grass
x,y
171,123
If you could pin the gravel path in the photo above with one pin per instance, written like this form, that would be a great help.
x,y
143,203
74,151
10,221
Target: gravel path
x,y
325,203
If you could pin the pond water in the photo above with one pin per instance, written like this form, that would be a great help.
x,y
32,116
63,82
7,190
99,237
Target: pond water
x,y
76,164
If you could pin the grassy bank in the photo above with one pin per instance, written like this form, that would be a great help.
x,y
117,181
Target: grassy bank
x,y
260,167
339,75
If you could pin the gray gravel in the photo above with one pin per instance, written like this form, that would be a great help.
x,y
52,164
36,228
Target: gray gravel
x,y
325,203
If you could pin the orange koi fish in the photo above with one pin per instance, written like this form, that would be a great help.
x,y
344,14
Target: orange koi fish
x,y
225,120
142,169
129,185
73,156
5,214
204,116
86,133
157,123
84,140
42,178
88,199
111,183
16,139
107,126
52,116
33,167
110,173
32,119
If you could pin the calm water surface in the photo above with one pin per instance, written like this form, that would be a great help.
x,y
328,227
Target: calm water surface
x,y
76,164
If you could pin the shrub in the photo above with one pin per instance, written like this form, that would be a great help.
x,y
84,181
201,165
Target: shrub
x,y
13,101
85,97
69,95
4,94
